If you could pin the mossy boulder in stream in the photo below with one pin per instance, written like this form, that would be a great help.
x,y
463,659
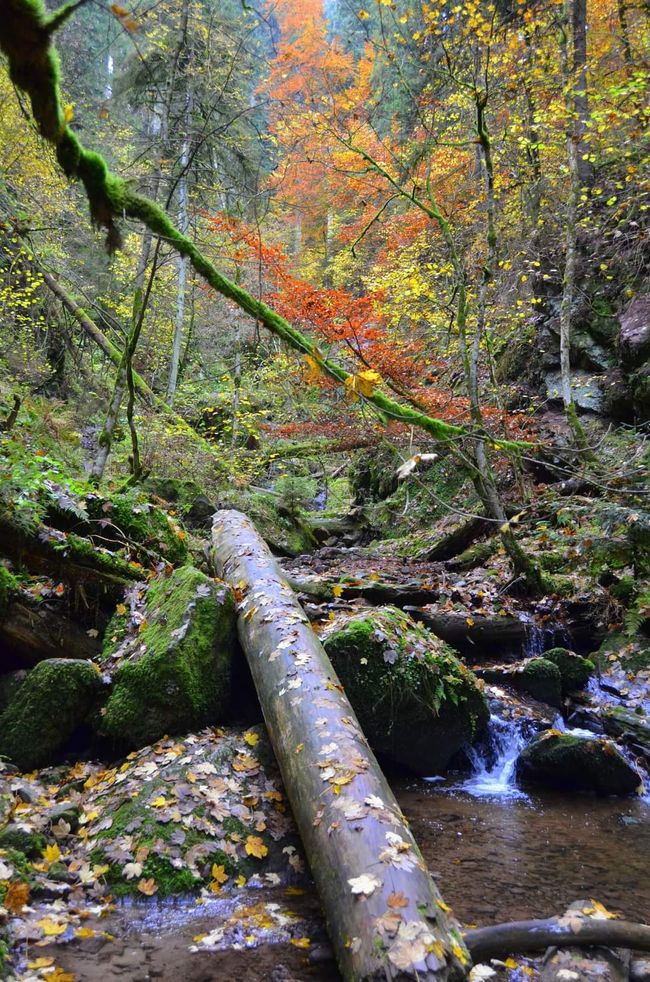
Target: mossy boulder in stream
x,y
577,763
416,701
575,670
169,658
53,701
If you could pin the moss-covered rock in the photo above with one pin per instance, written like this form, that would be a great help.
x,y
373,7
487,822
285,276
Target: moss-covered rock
x,y
170,664
575,670
54,700
417,703
373,476
561,760
542,680
287,534
9,685
130,518
187,805
537,677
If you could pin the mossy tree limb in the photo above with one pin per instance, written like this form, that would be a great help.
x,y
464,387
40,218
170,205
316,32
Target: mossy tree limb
x,y
25,38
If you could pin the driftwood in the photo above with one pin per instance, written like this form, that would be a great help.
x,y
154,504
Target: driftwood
x,y
569,931
384,913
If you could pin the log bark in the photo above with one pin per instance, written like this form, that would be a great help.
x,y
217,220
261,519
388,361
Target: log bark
x,y
558,932
384,913
478,639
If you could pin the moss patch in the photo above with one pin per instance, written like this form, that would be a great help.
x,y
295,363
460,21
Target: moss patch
x,y
171,672
543,680
53,701
574,670
417,703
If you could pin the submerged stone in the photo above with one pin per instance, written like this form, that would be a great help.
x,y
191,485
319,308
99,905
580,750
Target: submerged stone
x,y
170,661
416,701
565,761
53,701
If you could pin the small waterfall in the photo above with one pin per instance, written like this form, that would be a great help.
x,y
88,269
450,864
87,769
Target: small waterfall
x,y
494,764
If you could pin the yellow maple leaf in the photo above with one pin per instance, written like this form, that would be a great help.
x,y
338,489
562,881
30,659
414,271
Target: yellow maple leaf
x,y
241,880
68,113
51,928
337,590
51,854
301,942
84,932
219,874
251,738
255,847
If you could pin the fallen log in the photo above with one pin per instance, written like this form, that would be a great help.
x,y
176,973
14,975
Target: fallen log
x,y
384,913
569,931
33,633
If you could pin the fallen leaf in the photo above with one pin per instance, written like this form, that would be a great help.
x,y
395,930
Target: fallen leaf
x,y
364,885
148,887
254,846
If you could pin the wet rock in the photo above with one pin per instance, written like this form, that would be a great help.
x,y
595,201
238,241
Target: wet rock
x,y
580,965
55,699
200,512
417,703
561,760
575,671
640,970
170,661
538,677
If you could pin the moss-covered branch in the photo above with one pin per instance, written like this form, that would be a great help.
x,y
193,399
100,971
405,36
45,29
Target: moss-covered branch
x,y
25,38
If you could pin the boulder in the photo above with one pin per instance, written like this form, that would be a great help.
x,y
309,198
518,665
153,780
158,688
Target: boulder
x,y
575,671
169,659
562,760
538,677
9,685
417,703
586,389
54,700
634,339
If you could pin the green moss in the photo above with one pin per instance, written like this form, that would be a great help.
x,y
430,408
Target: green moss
x,y
132,517
416,701
53,701
575,671
176,675
8,586
23,842
542,679
625,589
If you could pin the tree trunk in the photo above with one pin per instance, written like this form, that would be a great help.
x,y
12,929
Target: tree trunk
x,y
384,914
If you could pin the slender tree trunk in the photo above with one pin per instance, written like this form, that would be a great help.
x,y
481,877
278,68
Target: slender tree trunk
x,y
570,242
580,97
183,224
124,378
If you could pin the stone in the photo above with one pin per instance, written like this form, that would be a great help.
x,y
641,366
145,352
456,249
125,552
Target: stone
x,y
576,763
55,699
417,703
538,677
575,671
586,389
634,338
169,665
